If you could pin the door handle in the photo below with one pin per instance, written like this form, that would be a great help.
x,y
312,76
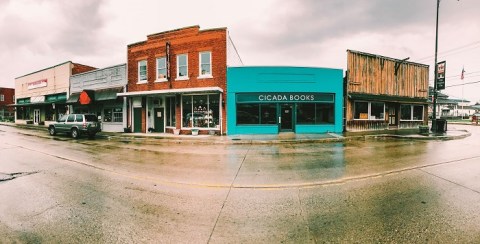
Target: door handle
x,y
279,120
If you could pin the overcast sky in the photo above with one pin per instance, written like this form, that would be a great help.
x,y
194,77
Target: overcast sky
x,y
37,34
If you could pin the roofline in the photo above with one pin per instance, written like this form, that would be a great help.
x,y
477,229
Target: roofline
x,y
44,69
282,66
384,57
91,71
178,29
174,30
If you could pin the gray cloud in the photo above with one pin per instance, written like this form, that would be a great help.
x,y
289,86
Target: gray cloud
x,y
316,21
81,31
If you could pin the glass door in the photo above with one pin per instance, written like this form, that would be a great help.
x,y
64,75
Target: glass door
x,y
286,117
36,116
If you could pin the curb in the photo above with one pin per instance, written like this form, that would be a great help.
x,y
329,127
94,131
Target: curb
x,y
225,140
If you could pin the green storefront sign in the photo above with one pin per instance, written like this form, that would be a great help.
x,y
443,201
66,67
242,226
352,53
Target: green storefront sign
x,y
273,97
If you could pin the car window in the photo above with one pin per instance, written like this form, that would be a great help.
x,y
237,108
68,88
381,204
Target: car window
x,y
71,118
91,118
79,118
63,118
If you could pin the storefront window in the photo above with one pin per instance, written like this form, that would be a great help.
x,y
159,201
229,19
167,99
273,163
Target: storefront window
x,y
255,114
315,113
325,113
406,112
411,112
306,113
49,113
361,110
247,114
418,113
170,111
214,110
107,115
201,111
369,110
377,111
268,114
113,115
187,111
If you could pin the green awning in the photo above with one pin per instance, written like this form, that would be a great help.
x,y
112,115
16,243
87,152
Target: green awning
x,y
73,98
107,94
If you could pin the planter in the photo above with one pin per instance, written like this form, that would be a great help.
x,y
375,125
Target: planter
x,y
176,131
211,132
194,132
127,130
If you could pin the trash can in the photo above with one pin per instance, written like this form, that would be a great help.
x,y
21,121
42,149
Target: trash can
x,y
441,125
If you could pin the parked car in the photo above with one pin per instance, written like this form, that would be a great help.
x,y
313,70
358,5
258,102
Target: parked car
x,y
76,125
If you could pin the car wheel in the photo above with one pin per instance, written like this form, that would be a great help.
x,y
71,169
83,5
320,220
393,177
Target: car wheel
x,y
74,133
51,131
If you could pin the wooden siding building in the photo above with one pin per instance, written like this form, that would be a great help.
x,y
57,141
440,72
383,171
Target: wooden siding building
x,y
384,93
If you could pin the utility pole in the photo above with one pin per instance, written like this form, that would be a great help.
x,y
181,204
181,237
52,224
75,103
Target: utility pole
x,y
434,119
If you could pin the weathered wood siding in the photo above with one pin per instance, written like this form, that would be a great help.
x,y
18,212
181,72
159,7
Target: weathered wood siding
x,y
373,74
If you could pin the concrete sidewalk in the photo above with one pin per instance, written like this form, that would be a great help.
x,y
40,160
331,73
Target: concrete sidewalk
x,y
259,139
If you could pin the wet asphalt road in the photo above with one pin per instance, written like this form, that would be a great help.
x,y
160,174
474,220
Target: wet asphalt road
x,y
62,190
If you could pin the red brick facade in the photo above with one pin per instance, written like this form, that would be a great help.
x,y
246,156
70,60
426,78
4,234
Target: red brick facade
x,y
80,68
6,98
190,41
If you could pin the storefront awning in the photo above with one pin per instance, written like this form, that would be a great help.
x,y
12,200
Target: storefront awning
x,y
385,98
107,94
172,91
73,98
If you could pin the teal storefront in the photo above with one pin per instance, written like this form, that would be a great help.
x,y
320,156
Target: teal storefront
x,y
270,100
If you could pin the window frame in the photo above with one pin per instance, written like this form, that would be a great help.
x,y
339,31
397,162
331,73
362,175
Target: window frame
x,y
200,63
412,106
157,79
369,110
185,77
139,64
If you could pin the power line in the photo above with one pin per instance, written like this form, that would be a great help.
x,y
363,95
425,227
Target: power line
x,y
445,53
466,83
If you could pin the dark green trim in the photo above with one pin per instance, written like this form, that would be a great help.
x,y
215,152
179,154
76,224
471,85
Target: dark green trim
x,y
285,97
385,98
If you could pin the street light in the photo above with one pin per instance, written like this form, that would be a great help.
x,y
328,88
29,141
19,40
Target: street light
x,y
434,119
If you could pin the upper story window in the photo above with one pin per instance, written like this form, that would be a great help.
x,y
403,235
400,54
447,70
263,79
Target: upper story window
x,y
142,71
2,97
182,67
205,69
161,69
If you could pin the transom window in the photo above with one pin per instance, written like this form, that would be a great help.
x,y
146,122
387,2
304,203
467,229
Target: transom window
x,y
182,66
161,68
369,110
142,71
411,112
205,64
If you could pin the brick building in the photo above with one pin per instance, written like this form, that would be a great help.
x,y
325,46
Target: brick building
x,y
41,96
177,81
7,97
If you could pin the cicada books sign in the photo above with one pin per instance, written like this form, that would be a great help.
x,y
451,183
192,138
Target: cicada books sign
x,y
37,84
301,97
